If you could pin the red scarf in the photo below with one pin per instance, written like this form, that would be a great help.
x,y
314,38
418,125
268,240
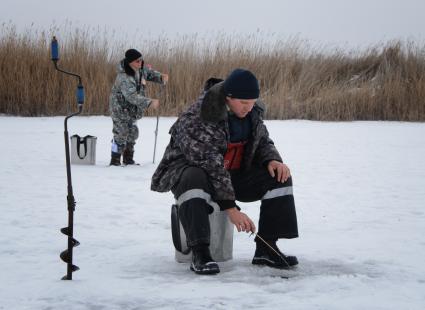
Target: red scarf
x,y
234,155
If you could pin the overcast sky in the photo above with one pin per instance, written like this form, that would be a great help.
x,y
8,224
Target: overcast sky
x,y
338,22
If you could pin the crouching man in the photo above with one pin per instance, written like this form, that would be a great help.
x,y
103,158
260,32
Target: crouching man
x,y
220,152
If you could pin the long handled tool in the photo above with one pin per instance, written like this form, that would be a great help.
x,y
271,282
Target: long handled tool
x,y
66,255
156,128
156,135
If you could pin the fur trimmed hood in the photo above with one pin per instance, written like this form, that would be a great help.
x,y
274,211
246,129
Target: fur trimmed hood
x,y
213,108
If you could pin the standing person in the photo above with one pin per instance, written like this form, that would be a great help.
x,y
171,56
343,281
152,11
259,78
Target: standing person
x,y
220,152
127,104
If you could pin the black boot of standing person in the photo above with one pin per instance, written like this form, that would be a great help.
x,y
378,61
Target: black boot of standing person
x,y
115,159
127,157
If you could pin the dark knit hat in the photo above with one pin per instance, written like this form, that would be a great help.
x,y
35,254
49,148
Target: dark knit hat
x,y
241,84
132,54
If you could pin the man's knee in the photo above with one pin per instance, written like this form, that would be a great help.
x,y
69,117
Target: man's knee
x,y
194,177
288,182
279,189
194,187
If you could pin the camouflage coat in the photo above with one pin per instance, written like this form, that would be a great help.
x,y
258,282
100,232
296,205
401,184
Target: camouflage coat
x,y
126,102
199,138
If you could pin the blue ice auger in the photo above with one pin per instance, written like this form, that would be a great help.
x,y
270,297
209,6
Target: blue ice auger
x,y
66,255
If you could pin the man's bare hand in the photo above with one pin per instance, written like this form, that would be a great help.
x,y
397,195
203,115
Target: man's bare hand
x,y
240,220
278,170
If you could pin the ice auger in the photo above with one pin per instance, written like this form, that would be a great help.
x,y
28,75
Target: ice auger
x,y
66,255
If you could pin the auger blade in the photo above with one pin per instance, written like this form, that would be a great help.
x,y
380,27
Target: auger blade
x,y
64,256
75,242
73,268
65,231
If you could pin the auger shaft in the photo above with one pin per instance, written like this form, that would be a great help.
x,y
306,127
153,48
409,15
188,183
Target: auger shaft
x,y
67,255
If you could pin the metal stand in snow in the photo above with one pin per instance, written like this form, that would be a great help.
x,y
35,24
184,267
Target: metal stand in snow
x,y
66,255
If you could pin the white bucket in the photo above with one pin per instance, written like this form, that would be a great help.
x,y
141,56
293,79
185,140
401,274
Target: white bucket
x,y
221,239
83,150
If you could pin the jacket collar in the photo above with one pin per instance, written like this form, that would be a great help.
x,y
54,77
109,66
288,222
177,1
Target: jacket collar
x,y
213,107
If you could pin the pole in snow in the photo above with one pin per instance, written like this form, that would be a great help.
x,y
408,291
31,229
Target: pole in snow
x,y
156,135
66,255
156,128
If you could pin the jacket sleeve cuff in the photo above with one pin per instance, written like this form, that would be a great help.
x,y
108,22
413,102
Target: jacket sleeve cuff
x,y
227,204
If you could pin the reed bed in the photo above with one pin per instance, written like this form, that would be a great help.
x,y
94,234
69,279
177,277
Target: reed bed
x,y
298,81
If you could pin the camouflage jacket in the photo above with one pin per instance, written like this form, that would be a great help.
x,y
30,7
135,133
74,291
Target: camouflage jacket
x,y
199,138
125,102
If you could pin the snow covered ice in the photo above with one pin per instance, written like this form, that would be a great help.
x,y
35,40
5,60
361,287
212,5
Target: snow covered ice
x,y
359,190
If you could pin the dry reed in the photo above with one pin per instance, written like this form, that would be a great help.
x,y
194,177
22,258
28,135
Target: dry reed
x,y
384,82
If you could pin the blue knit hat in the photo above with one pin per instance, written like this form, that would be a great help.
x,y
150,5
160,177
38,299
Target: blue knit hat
x,y
241,84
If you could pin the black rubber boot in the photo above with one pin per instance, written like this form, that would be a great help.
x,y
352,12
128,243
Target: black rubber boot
x,y
202,262
115,159
127,157
264,255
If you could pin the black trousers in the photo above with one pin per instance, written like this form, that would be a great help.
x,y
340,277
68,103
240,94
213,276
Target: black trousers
x,y
277,210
